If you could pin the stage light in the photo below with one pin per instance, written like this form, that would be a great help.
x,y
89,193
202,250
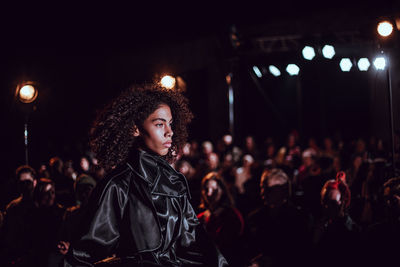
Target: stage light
x,y
380,63
27,93
328,51
257,71
345,64
363,64
385,28
168,82
274,70
308,52
292,69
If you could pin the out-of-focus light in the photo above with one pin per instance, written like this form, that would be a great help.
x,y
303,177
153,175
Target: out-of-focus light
x,y
274,70
345,64
168,82
27,93
292,69
380,63
363,64
257,71
385,28
328,51
308,52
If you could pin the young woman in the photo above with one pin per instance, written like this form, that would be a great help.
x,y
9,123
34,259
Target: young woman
x,y
140,214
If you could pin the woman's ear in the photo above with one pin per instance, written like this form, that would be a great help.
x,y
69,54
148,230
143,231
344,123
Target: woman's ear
x,y
136,131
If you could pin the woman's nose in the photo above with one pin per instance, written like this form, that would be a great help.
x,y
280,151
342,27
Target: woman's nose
x,y
169,131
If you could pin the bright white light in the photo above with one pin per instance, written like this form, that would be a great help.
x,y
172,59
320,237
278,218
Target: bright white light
x,y
308,52
363,64
385,28
380,63
168,81
292,69
345,64
274,70
27,93
257,71
328,51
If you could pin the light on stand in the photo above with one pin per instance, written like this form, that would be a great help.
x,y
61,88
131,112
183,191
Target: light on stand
x,y
168,81
26,93
385,28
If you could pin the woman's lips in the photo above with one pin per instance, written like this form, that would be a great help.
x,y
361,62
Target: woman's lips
x,y
167,144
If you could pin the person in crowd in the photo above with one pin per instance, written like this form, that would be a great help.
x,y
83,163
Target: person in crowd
x,y
63,184
222,221
328,148
277,234
270,156
224,145
140,214
243,173
335,230
16,235
72,217
46,223
69,170
289,155
85,167
250,147
382,236
309,157
313,145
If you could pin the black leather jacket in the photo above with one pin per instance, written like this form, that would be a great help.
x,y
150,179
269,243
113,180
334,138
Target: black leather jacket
x,y
140,215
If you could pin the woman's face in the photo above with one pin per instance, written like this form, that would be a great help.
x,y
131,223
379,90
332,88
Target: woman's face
x,y
157,134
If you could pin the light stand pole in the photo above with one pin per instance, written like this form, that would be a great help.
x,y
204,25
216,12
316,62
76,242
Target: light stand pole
x,y
231,104
389,82
26,141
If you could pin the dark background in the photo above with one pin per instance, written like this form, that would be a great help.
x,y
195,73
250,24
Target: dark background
x,y
81,57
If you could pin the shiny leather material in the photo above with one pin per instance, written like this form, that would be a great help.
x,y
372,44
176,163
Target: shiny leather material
x,y
142,213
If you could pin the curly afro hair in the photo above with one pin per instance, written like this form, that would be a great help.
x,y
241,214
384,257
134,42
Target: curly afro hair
x,y
111,137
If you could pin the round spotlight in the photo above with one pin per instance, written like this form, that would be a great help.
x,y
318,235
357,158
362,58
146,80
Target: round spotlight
x,y
308,52
385,28
168,82
345,64
292,69
27,93
363,64
257,71
328,51
380,63
274,70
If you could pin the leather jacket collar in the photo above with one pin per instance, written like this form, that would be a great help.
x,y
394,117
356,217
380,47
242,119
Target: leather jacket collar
x,y
161,177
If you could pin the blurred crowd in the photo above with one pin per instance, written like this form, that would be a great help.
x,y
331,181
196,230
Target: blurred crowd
x,y
263,203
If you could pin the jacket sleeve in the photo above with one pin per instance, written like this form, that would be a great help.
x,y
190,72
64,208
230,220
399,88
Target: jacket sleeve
x,y
195,247
101,235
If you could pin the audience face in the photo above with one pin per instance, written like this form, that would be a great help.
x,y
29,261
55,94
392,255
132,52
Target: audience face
x,y
212,192
84,163
207,147
247,160
250,144
26,184
227,139
47,196
212,161
186,149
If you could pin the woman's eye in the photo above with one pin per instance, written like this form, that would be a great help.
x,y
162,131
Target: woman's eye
x,y
159,125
